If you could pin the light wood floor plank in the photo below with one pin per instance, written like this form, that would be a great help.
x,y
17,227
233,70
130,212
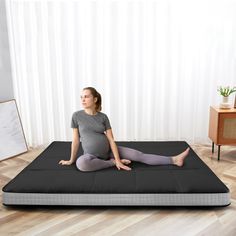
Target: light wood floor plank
x,y
39,226
114,223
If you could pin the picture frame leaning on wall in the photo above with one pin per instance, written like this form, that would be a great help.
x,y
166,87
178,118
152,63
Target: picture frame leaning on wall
x,y
12,138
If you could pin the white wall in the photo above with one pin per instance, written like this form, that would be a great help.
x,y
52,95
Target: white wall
x,y
6,86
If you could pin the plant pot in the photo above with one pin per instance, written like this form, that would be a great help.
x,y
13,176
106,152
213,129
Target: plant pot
x,y
235,101
225,104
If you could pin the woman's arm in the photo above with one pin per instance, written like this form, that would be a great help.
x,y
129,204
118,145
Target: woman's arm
x,y
75,145
114,149
74,148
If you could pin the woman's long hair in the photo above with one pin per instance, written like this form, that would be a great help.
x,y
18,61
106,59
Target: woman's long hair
x,y
96,94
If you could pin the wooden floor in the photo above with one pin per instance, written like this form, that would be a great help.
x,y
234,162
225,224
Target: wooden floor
x,y
123,220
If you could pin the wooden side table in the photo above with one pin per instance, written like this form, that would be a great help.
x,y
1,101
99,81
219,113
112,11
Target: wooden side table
x,y
222,127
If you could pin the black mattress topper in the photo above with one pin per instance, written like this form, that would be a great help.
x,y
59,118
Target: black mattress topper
x,y
45,175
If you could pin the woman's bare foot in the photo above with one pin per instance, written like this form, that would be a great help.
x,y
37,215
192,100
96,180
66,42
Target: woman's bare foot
x,y
124,161
179,159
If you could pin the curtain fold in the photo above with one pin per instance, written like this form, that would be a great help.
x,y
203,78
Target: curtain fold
x,y
156,63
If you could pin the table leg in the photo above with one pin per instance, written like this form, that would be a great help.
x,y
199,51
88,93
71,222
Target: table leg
x,y
212,150
218,152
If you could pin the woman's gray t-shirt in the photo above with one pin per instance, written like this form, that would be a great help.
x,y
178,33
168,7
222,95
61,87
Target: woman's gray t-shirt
x,y
91,131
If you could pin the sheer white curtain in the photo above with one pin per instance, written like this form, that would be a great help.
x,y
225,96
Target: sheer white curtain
x,y
157,64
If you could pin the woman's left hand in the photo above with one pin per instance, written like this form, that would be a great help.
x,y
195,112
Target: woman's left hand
x,y
120,165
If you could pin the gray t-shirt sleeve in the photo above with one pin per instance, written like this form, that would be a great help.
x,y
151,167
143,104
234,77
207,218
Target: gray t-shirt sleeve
x,y
107,123
74,123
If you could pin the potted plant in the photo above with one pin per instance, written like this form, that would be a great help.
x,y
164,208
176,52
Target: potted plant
x,y
225,92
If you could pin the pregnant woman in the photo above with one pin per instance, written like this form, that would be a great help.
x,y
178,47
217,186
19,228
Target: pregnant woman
x,y
93,129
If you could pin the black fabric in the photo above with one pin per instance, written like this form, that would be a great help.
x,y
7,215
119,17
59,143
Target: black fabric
x,y
45,175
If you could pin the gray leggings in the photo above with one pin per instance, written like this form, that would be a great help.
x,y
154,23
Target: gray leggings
x,y
89,162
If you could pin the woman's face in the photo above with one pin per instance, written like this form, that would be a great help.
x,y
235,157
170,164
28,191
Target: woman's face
x,y
87,99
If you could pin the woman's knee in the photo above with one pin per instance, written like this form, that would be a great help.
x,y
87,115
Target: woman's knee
x,y
129,153
82,163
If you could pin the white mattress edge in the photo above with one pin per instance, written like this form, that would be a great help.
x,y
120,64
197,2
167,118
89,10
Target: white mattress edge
x,y
121,199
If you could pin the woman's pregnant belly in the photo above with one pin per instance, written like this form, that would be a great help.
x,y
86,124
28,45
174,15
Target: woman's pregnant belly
x,y
96,144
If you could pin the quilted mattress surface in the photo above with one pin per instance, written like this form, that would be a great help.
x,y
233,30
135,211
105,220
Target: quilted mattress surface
x,y
45,175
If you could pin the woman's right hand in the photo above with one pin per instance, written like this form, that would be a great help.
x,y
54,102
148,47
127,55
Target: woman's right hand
x,y
120,165
63,162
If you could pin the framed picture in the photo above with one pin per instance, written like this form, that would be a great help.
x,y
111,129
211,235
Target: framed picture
x,y
12,138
